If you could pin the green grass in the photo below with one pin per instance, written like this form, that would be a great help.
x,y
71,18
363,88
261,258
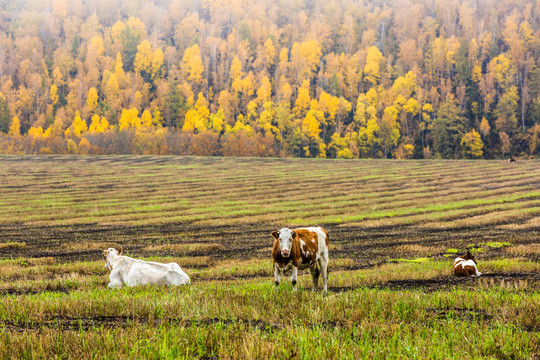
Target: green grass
x,y
417,260
395,227
498,245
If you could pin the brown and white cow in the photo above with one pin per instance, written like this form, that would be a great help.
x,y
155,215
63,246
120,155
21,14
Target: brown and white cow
x,y
465,265
301,249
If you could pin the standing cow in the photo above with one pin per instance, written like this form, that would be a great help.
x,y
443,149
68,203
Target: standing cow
x,y
301,249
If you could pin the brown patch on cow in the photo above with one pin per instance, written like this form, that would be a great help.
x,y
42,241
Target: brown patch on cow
x,y
309,248
467,270
119,250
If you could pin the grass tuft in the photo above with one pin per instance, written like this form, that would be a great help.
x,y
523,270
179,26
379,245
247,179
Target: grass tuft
x,y
12,245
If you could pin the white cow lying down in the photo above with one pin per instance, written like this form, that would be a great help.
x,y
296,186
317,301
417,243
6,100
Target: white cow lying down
x,y
133,272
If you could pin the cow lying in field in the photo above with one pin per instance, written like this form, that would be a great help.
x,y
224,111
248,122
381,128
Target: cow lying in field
x,y
133,272
465,265
301,249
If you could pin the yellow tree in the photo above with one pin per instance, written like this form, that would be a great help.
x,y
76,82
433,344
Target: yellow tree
x,y
265,91
197,118
328,104
267,119
389,128
269,53
303,101
411,108
98,125
305,59
157,63
92,99
311,128
77,128
193,66
15,128
372,69
143,59
235,71
35,132
119,68
148,63
368,135
129,119
53,94
112,92
94,54
146,119
471,144
340,145
484,127
127,36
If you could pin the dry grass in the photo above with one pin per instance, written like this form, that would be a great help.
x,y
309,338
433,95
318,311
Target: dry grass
x,y
420,250
494,217
227,192
533,223
12,245
186,261
87,245
523,250
185,248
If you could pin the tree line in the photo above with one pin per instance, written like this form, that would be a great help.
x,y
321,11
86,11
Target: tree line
x,y
313,78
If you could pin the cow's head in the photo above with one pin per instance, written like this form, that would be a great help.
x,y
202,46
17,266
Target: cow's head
x,y
468,256
111,251
285,237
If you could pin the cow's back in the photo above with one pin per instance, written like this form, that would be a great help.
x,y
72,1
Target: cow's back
x,y
464,268
313,243
139,272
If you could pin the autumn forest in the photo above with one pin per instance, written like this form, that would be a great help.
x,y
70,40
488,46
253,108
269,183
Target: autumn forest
x,y
289,78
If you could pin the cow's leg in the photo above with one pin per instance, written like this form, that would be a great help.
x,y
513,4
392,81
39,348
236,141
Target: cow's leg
x,y
294,276
115,283
116,280
314,270
277,275
323,263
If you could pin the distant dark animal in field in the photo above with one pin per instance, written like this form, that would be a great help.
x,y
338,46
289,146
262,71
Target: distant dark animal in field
x,y
301,249
133,272
512,160
465,265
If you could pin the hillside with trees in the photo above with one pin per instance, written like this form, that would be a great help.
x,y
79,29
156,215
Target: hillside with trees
x,y
313,78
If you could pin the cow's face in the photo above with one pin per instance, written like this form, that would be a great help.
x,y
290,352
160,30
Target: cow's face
x,y
285,237
111,251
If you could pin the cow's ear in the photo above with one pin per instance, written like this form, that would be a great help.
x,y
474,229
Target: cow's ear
x,y
119,250
105,253
294,234
469,254
275,234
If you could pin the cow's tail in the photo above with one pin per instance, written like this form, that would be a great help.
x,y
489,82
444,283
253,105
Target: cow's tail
x,y
327,237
